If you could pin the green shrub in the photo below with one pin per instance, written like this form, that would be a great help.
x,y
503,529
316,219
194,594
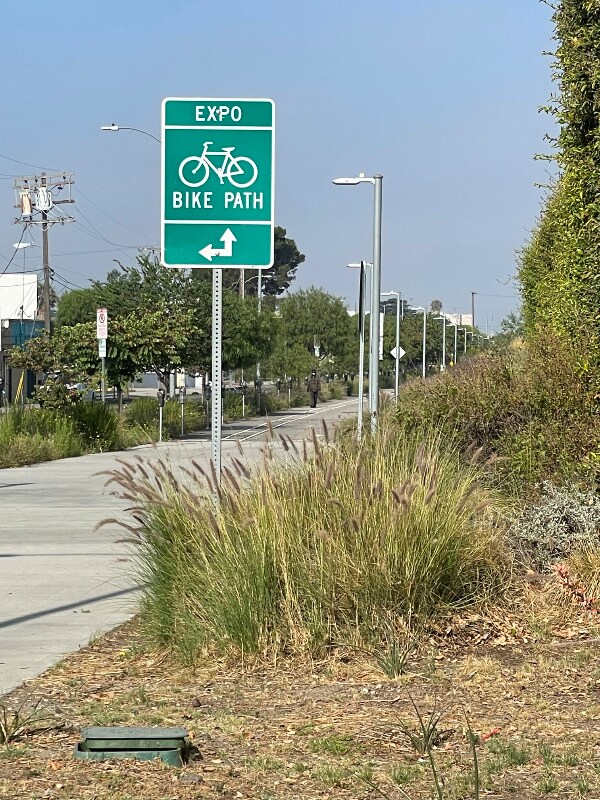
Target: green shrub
x,y
533,407
561,521
99,426
28,436
336,390
141,416
328,552
142,413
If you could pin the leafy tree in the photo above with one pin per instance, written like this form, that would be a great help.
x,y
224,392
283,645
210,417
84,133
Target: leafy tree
x,y
75,306
185,298
137,343
312,321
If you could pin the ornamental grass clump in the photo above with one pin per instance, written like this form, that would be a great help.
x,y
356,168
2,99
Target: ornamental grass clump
x,y
322,553
31,435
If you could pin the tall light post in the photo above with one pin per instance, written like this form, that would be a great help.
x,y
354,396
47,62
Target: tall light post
x,y
443,364
364,267
424,343
455,326
397,296
113,127
376,181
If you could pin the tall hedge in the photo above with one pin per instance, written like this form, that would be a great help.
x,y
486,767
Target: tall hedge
x,y
560,267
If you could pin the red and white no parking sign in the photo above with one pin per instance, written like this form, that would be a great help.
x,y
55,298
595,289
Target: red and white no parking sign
x,y
101,323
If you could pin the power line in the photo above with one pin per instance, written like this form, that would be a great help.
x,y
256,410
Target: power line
x,y
99,235
482,294
72,271
106,214
27,164
15,253
66,281
85,252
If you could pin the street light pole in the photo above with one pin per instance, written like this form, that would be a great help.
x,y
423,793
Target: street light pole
x,y
376,180
397,296
455,341
375,293
424,344
364,266
443,364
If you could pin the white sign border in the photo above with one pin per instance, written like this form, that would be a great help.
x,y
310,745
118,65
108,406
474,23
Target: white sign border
x,y
212,222
101,329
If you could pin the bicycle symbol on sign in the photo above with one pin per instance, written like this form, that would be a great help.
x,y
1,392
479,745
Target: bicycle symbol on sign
x,y
239,170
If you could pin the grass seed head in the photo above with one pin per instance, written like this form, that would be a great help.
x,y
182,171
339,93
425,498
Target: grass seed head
x,y
284,442
358,482
316,446
329,476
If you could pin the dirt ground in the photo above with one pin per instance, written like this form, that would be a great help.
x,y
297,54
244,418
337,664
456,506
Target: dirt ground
x,y
526,680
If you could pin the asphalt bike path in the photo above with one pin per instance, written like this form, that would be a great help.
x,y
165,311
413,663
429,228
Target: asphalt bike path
x,y
61,582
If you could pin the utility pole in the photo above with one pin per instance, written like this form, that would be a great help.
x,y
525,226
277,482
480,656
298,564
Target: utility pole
x,y
473,308
46,264
36,197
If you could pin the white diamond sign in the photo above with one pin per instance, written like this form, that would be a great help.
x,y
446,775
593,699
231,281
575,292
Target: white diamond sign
x,y
400,351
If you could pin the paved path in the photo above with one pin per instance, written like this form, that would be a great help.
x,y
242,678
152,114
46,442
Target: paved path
x,y
61,583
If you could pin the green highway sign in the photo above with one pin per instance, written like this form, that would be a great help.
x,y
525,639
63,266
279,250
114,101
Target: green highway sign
x,y
218,182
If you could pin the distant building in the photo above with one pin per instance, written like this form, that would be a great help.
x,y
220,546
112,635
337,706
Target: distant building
x,y
18,295
459,319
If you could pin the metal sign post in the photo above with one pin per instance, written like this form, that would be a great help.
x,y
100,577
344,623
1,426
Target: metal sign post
x,y
217,200
182,404
102,336
217,372
160,396
102,356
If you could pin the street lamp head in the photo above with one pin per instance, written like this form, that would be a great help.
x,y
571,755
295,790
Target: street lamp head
x,y
358,266
361,178
22,245
112,127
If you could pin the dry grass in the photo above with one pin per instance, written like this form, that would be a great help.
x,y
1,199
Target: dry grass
x,y
353,547
330,729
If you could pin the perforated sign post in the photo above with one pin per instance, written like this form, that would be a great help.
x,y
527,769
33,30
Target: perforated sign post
x,y
217,199
102,336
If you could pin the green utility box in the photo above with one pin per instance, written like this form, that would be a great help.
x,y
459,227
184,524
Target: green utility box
x,y
144,744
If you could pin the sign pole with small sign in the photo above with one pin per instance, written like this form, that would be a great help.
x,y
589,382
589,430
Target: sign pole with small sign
x,y
217,202
102,336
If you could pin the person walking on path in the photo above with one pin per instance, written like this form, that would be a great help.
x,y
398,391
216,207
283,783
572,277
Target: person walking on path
x,y
314,388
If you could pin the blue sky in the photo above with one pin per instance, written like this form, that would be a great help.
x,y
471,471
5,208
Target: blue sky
x,y
440,97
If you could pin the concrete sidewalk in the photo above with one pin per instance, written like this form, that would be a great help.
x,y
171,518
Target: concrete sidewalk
x,y
61,583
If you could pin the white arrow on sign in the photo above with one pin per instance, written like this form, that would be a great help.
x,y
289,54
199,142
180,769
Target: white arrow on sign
x,y
209,252
401,352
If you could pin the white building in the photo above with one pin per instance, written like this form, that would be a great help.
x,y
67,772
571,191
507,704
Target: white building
x,y
18,295
459,319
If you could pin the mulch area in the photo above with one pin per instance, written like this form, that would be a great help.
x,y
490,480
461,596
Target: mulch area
x,y
526,680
